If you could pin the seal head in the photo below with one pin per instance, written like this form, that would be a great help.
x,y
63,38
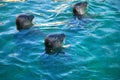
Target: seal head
x,y
53,42
79,9
24,21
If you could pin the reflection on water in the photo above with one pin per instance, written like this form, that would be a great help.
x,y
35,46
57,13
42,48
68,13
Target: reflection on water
x,y
91,49
13,0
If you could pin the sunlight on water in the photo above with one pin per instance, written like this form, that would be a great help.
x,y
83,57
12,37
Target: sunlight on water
x,y
13,0
50,24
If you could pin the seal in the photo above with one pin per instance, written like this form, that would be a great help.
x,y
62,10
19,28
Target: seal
x,y
53,42
24,21
79,9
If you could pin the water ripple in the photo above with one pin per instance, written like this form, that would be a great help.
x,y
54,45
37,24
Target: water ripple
x,y
91,49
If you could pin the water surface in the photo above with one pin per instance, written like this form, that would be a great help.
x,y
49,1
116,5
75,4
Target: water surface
x,y
94,42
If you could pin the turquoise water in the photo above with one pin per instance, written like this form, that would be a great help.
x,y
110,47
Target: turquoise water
x,y
92,45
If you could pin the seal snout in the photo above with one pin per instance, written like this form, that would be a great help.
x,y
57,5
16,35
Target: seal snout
x,y
61,37
85,3
30,17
